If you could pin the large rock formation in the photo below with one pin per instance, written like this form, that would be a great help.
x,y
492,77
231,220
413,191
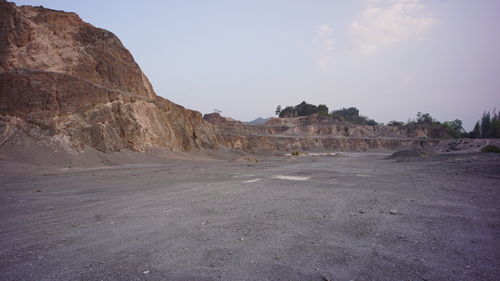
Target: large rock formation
x,y
318,132
65,79
66,82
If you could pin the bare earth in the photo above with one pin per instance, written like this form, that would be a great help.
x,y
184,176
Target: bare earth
x,y
283,218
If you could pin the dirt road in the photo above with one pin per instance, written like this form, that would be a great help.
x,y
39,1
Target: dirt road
x,y
356,217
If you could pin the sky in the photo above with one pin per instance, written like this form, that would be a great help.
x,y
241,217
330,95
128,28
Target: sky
x,y
389,58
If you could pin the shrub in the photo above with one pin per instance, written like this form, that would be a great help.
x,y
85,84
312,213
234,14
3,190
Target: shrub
x,y
323,109
454,128
395,123
295,153
490,149
302,109
351,115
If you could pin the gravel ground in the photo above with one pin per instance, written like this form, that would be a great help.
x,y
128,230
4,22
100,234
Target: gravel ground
x,y
355,217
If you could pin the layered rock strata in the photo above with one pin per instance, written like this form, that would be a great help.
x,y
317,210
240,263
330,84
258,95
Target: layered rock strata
x,y
317,132
63,80
61,77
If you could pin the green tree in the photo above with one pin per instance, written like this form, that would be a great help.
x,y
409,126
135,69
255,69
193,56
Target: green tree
x,y
302,109
288,112
476,132
323,109
350,112
485,125
306,109
395,123
495,129
425,119
278,110
495,115
454,128
494,125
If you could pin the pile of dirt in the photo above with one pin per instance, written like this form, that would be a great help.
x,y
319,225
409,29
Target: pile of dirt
x,y
461,145
410,153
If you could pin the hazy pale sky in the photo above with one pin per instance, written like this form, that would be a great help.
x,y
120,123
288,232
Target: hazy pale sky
x,y
388,58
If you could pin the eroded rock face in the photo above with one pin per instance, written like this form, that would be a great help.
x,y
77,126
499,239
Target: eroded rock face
x,y
317,132
290,143
42,39
60,76
65,81
319,125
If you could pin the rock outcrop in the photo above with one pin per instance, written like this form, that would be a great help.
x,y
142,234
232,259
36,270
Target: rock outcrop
x,y
335,126
67,82
63,78
303,143
318,132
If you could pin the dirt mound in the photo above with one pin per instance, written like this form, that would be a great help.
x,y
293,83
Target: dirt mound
x,y
410,153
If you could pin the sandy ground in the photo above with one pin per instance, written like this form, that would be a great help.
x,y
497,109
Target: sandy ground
x,y
283,218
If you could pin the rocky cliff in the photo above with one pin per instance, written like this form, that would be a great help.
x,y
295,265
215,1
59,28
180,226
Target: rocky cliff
x,y
317,132
335,126
66,80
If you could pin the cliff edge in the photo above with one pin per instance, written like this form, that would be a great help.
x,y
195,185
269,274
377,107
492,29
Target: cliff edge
x,y
63,80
